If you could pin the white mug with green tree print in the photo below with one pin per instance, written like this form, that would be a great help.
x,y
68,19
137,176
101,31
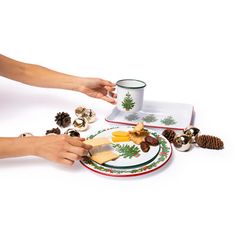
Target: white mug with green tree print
x,y
130,95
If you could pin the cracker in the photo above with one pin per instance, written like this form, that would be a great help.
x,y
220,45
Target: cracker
x,y
96,142
104,156
137,139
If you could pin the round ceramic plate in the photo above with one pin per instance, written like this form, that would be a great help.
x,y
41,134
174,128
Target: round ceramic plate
x,y
132,161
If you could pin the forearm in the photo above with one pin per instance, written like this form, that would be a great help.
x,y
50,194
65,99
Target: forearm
x,y
36,75
13,147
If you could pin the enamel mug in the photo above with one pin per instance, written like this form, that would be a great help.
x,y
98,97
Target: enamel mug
x,y
130,95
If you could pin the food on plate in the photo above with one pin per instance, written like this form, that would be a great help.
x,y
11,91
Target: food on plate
x,y
138,128
104,156
144,146
137,139
96,142
120,134
138,134
120,139
151,140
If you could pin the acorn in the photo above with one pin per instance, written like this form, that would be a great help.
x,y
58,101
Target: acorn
x,y
25,135
73,132
192,132
81,123
182,142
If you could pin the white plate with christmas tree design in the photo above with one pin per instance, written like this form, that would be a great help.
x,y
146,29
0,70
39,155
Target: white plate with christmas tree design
x,y
156,115
132,161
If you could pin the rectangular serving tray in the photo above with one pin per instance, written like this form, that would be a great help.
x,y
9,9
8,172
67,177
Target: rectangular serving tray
x,y
156,115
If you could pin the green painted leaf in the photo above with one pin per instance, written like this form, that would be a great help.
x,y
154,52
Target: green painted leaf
x,y
169,120
126,151
149,118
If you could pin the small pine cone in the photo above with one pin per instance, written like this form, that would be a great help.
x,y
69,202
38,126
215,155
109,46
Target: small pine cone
x,y
211,142
169,134
53,131
63,119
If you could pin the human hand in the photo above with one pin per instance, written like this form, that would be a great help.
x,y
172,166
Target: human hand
x,y
97,88
60,148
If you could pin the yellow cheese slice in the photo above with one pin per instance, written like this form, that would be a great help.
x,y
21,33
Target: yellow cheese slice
x,y
120,134
104,156
96,142
120,139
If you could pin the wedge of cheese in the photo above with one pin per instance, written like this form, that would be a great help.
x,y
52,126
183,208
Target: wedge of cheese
x,y
104,156
96,142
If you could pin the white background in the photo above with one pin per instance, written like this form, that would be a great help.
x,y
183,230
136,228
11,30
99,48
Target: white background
x,y
185,51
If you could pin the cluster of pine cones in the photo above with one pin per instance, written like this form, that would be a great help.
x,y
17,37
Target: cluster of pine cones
x,y
203,141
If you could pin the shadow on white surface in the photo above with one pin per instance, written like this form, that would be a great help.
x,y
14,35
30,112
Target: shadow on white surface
x,y
33,162
22,162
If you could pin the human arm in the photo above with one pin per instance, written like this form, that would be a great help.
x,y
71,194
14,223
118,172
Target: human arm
x,y
58,148
39,76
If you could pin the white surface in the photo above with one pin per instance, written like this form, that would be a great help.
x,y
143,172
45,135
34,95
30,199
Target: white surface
x,y
185,52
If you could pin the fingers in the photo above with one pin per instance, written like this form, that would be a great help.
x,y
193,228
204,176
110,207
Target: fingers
x,y
110,88
78,151
107,83
70,156
113,95
66,161
78,142
109,99
111,92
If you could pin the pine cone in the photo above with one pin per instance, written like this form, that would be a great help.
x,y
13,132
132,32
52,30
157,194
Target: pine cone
x,y
54,131
63,119
211,142
169,134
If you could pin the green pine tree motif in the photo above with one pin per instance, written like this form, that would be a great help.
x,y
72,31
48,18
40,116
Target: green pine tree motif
x,y
126,150
132,117
128,102
149,118
169,120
